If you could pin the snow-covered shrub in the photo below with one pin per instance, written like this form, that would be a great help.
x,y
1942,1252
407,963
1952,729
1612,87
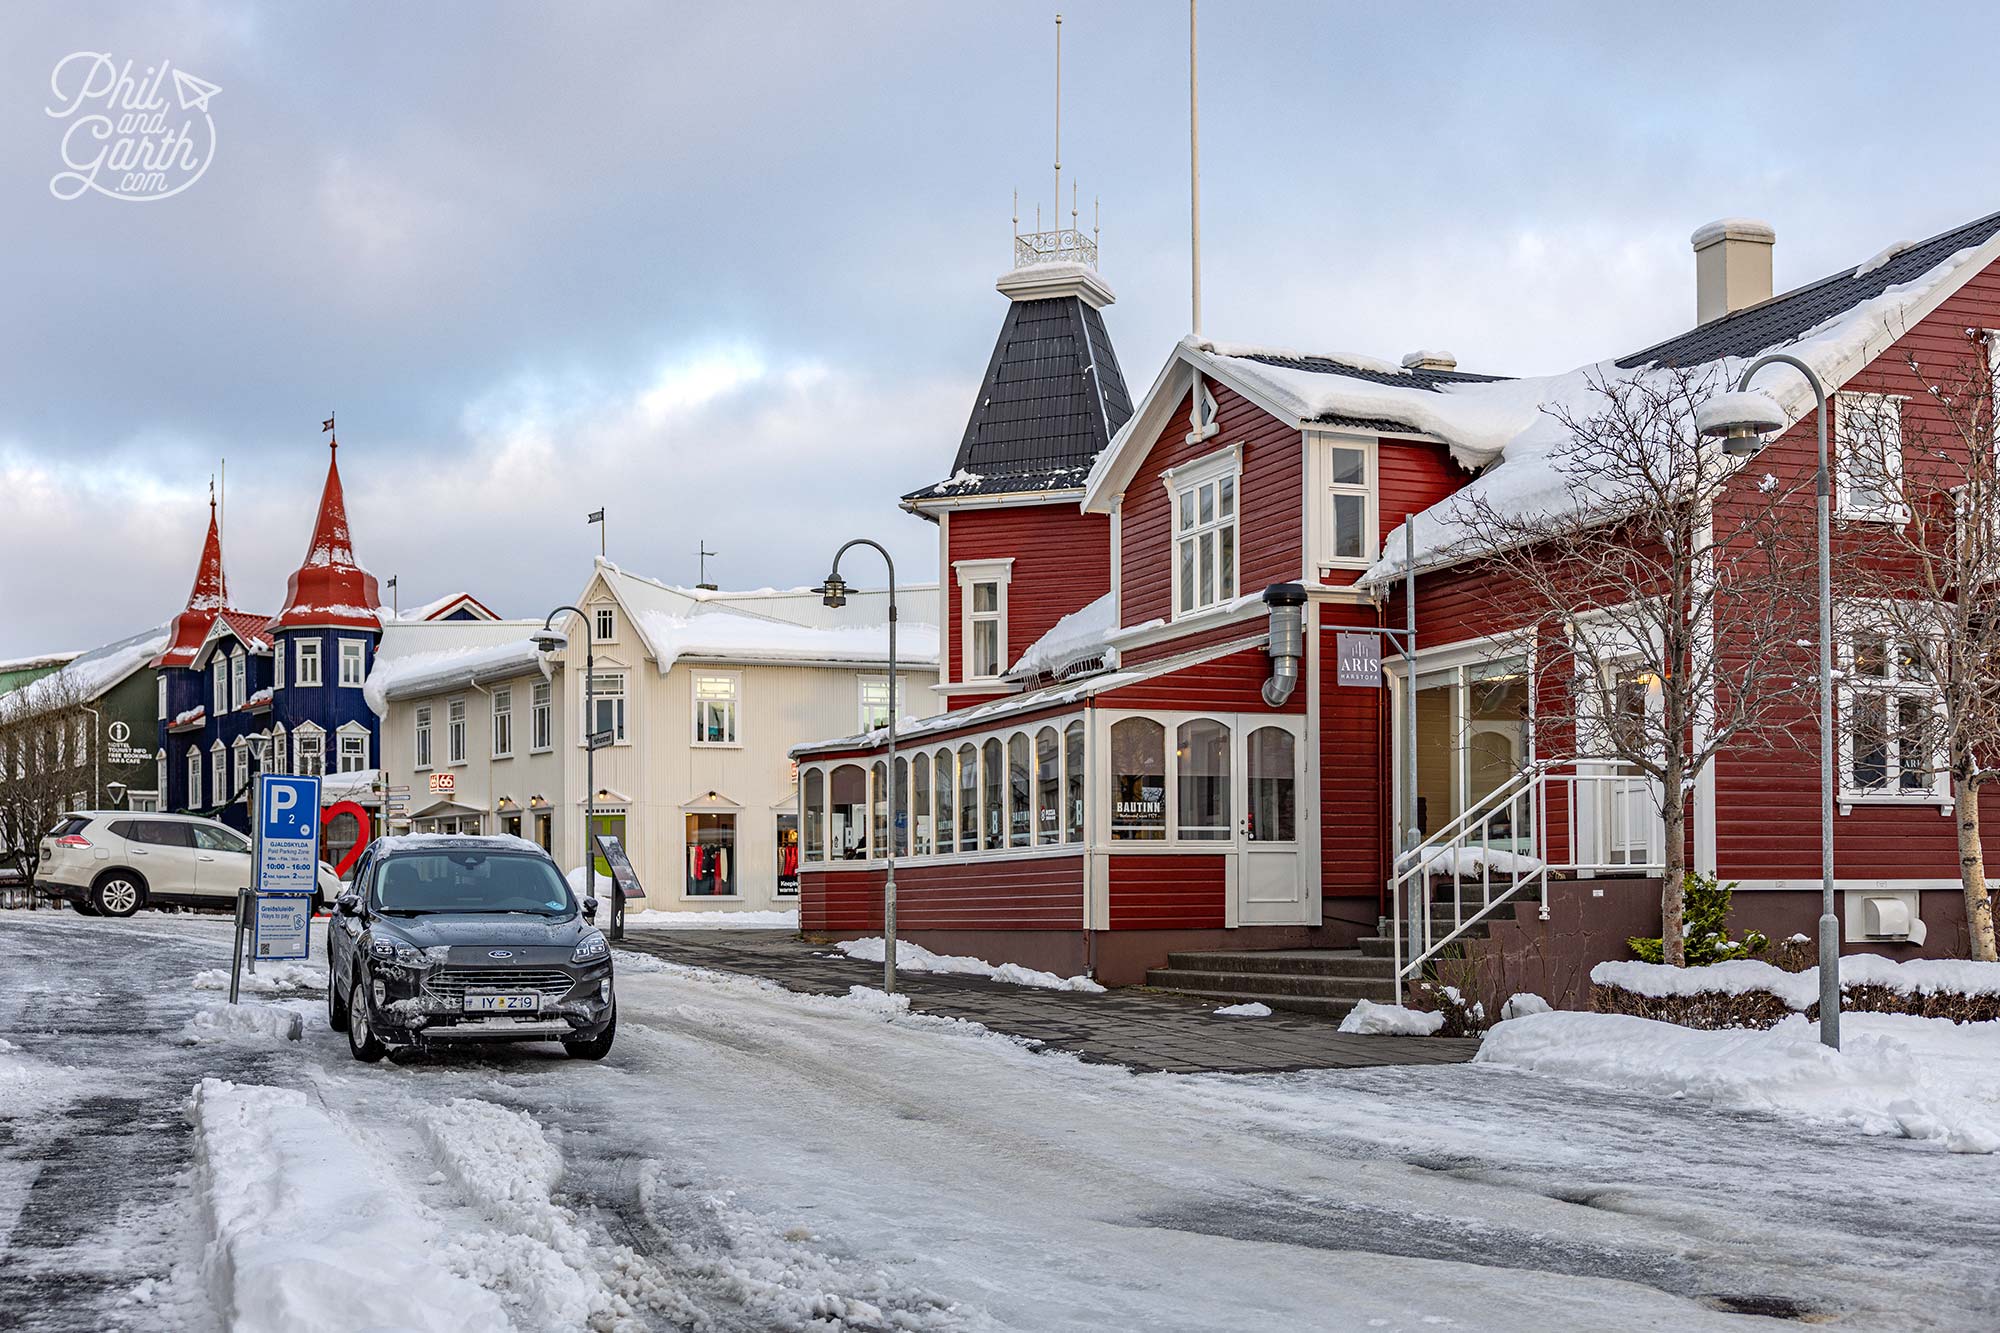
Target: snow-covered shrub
x,y
1704,928
1794,953
1462,1017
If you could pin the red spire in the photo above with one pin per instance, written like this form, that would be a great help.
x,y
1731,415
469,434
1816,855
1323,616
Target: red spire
x,y
331,587
209,595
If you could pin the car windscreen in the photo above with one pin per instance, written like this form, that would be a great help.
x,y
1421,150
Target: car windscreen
x,y
471,881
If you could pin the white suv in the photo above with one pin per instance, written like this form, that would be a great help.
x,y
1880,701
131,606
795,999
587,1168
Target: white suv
x,y
112,862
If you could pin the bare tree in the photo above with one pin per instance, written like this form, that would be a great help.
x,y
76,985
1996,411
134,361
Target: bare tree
x,y
1921,666
48,762
1671,603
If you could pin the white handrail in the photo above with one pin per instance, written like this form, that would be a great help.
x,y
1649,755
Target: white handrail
x,y
1596,812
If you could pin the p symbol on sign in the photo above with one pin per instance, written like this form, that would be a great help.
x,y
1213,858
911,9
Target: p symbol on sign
x,y
282,799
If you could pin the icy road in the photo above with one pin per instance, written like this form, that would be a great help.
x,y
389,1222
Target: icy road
x,y
749,1159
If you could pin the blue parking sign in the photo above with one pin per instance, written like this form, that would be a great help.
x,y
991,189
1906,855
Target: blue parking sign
x,y
287,834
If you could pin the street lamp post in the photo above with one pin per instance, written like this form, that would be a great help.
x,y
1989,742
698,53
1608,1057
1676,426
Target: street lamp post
x,y
552,640
834,593
1740,418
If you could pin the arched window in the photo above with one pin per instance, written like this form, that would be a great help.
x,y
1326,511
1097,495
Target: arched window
x,y
920,805
1020,792
1048,786
900,807
947,793
968,798
1138,780
1073,782
278,759
878,805
1202,749
993,796
1273,786
815,815
846,817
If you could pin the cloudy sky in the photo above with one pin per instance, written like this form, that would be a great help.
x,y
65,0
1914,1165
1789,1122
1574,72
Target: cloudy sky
x,y
727,270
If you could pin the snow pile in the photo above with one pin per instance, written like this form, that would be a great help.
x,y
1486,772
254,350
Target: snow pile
x,y
786,918
916,958
1079,636
1471,862
1390,1020
1253,1009
1523,1003
304,1232
874,1001
1800,990
267,979
1921,1078
236,1022
26,1082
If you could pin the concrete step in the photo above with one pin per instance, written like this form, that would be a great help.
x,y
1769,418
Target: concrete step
x,y
1301,962
1267,985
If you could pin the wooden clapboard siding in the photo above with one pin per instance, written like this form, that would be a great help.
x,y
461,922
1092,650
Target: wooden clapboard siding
x,y
1062,561
997,893
1168,891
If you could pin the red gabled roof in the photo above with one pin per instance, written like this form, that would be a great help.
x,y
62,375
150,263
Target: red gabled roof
x,y
209,596
331,588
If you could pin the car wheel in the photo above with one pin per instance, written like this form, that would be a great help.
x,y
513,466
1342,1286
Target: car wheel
x,y
595,1048
336,1008
362,1043
117,893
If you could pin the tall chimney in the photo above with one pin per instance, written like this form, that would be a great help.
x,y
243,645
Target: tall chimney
x,y
1732,266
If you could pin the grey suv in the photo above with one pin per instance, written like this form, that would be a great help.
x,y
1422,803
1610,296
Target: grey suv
x,y
447,939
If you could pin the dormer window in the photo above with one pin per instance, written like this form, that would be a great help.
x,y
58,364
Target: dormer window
x,y
1204,509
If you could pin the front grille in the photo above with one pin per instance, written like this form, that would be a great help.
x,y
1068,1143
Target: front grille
x,y
448,987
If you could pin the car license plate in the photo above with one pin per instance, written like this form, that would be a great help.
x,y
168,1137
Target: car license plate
x,y
502,1004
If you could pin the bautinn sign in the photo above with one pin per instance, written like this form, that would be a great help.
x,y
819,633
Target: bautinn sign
x,y
1360,659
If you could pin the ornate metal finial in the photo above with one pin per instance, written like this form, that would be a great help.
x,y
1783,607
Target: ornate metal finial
x,y
1063,245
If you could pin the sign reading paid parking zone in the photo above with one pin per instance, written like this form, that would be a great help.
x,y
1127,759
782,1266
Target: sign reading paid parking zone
x,y
287,834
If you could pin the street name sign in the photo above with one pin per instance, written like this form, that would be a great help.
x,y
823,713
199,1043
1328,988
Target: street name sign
x,y
597,740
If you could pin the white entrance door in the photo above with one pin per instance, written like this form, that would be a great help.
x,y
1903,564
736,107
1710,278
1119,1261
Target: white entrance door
x,y
1270,878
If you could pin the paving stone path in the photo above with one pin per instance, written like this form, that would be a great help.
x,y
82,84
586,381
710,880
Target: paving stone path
x,y
1141,1029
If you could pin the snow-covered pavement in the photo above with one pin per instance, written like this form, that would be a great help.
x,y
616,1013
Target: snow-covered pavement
x,y
753,1159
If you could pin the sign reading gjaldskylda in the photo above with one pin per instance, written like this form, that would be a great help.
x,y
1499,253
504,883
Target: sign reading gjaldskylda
x,y
287,834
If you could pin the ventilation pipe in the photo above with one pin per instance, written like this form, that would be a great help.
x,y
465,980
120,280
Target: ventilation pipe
x,y
1288,640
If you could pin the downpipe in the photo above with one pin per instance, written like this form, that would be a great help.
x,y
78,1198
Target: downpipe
x,y
1288,641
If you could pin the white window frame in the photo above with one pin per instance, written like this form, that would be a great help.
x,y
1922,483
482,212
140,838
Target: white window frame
x,y
278,668
454,732
541,718
306,663
731,703
350,732
240,765
1190,478
195,762
1891,686
278,759
160,689
218,686
218,765
597,695
421,753
869,708
1846,403
239,676
354,654
1325,488
310,737
970,574
503,722
604,622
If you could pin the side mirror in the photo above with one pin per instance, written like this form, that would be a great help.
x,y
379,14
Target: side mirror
x,y
590,910
348,904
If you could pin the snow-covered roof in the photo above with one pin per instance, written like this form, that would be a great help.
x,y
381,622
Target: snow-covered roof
x,y
439,607
1081,636
775,625
422,657
38,661
88,676
1052,696
1506,429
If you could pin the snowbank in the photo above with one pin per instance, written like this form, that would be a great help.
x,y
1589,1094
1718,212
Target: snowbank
x,y
26,1082
303,1232
1390,1020
268,977
234,1022
916,958
1800,990
1523,1003
1250,1010
780,919
1921,1078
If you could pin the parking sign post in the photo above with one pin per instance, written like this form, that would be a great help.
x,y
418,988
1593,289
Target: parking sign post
x,y
276,911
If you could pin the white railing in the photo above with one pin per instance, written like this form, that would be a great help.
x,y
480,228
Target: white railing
x,y
1500,850
1068,246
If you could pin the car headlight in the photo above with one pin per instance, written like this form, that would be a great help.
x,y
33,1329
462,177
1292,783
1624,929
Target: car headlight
x,y
592,949
395,951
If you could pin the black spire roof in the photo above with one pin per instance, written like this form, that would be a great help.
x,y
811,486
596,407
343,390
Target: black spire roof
x,y
1052,399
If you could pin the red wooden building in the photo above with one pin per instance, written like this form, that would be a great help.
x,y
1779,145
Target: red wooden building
x,y
1148,749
